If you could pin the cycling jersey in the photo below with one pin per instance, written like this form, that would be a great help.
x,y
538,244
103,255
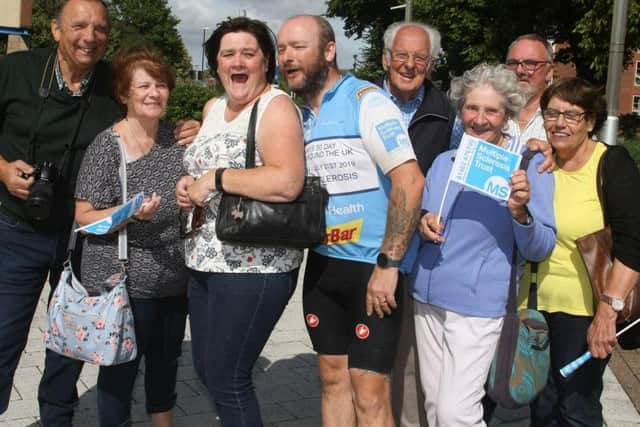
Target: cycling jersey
x,y
357,137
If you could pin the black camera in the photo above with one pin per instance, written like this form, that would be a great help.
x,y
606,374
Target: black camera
x,y
40,201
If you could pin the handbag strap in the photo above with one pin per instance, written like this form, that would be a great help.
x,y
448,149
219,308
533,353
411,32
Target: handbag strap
x,y
122,233
527,155
600,186
250,156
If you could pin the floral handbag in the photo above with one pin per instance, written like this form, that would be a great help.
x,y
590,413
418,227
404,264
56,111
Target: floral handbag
x,y
95,329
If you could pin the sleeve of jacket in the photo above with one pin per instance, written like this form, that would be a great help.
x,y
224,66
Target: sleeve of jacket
x,y
536,240
622,202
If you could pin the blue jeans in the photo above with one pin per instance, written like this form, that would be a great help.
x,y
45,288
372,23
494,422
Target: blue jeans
x,y
573,401
232,316
26,258
160,324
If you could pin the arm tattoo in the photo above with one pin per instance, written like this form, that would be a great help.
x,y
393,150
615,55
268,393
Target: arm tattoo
x,y
402,218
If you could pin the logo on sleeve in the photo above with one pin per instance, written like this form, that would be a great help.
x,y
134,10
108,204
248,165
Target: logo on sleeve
x,y
362,331
312,320
392,134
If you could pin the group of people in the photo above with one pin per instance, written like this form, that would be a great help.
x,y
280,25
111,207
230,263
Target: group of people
x,y
403,302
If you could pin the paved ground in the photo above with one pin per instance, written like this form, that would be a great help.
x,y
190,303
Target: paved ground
x,y
286,379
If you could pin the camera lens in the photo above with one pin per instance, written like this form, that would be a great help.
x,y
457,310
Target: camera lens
x,y
38,204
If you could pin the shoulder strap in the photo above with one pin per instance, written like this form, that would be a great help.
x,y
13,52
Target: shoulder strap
x,y
250,159
122,234
600,185
533,286
527,155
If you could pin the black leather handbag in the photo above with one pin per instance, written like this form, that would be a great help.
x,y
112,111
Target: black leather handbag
x,y
296,224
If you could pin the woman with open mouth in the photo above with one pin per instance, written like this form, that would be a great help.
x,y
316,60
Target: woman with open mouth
x,y
237,292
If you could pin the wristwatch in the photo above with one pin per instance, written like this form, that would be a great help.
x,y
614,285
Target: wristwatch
x,y
616,303
386,261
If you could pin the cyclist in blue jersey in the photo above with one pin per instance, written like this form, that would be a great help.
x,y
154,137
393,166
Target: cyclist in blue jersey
x,y
357,142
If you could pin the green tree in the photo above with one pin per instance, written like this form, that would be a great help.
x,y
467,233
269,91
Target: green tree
x,y
150,22
187,100
481,30
132,22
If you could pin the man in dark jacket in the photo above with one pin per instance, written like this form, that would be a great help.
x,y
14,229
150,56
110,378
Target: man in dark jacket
x,y
53,102
410,54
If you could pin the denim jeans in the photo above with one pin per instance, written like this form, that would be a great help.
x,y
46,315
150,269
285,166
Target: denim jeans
x,y
573,401
26,258
232,316
160,324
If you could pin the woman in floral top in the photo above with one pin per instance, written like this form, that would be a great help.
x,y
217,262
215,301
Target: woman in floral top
x,y
237,293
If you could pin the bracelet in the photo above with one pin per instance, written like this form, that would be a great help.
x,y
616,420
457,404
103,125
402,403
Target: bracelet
x,y
133,220
218,179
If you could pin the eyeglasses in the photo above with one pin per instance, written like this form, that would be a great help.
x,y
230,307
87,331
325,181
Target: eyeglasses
x,y
402,57
197,221
528,65
571,117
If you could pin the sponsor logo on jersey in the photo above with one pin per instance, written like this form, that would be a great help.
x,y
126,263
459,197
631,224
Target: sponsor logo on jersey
x,y
362,331
312,320
347,232
364,90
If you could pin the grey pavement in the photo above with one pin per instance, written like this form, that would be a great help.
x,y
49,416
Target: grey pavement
x,y
286,380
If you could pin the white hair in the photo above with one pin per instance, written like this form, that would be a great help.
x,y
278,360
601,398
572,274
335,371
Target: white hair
x,y
434,36
499,77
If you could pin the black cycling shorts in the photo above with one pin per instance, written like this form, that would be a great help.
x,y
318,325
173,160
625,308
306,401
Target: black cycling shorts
x,y
334,302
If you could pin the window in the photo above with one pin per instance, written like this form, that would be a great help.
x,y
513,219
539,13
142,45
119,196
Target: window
x,y
638,73
636,104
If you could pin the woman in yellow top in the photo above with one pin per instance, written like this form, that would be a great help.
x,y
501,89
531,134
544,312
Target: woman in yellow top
x,y
573,111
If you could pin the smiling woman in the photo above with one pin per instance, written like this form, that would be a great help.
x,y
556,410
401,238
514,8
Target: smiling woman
x,y
462,275
156,277
237,292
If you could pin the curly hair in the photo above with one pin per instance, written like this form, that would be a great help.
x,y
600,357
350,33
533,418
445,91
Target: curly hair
x,y
497,76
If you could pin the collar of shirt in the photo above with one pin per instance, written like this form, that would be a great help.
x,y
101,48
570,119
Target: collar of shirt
x,y
62,85
409,108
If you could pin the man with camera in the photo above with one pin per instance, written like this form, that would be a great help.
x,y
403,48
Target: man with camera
x,y
53,102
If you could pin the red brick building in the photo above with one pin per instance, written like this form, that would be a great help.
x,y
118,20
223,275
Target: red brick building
x,y
629,101
629,98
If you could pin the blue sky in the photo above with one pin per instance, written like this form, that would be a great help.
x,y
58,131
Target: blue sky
x,y
196,14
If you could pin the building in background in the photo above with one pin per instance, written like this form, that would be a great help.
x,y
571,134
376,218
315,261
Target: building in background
x,y
15,22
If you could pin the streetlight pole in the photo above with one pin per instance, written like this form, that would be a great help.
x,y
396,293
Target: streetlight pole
x,y
204,33
609,132
408,11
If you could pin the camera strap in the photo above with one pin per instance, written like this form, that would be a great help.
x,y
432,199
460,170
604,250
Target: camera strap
x,y
44,93
66,157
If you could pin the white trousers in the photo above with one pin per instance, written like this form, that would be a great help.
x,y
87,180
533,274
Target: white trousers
x,y
455,353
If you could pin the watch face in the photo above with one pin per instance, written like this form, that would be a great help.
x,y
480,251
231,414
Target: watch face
x,y
617,304
382,260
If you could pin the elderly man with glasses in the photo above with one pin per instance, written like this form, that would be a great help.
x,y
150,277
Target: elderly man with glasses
x,y
410,55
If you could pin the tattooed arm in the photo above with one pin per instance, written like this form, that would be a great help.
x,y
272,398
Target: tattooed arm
x,y
407,184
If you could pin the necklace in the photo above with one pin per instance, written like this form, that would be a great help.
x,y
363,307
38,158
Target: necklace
x,y
140,146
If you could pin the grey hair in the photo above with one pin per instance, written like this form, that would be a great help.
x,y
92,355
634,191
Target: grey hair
x,y
535,38
434,36
499,77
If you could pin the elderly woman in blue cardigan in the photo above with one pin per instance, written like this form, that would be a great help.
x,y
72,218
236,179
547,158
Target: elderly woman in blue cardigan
x,y
461,277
